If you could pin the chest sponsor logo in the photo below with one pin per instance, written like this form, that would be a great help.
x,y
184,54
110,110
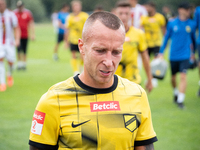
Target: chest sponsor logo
x,y
105,106
175,28
37,123
188,29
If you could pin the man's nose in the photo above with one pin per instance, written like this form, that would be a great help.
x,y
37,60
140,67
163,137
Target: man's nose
x,y
108,62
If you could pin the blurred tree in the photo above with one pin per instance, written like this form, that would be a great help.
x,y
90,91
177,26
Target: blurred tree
x,y
35,6
37,9
40,8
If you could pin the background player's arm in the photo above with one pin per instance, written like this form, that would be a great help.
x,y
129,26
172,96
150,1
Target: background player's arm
x,y
163,29
17,34
146,147
145,60
66,38
32,29
165,41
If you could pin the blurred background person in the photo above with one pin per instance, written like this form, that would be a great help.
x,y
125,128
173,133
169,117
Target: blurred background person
x,y
61,20
192,10
98,8
134,44
181,31
74,27
167,13
8,30
54,20
197,20
26,24
137,11
154,27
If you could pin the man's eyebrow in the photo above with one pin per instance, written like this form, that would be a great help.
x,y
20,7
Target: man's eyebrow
x,y
99,47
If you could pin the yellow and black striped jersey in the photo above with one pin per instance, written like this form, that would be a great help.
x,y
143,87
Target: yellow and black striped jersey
x,y
72,115
135,42
75,25
153,29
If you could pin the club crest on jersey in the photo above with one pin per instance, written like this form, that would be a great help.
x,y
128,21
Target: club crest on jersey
x,y
105,106
175,28
131,122
37,123
188,29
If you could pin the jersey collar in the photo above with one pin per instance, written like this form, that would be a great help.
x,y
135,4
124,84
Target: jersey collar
x,y
96,90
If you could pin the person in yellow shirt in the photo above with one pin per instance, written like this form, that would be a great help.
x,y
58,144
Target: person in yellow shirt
x,y
134,44
74,26
95,110
154,27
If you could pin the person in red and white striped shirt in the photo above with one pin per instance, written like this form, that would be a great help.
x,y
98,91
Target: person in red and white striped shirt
x,y
9,38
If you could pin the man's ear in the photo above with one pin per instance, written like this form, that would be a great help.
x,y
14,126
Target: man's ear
x,y
80,46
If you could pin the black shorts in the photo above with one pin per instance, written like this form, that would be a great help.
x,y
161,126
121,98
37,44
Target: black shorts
x,y
74,47
60,38
23,46
154,50
179,66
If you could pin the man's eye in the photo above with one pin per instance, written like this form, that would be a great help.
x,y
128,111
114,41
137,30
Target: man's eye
x,y
100,51
116,52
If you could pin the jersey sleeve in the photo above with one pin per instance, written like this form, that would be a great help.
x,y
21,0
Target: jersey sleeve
x,y
166,37
45,125
142,42
30,15
86,16
196,16
68,21
146,134
14,20
142,21
162,20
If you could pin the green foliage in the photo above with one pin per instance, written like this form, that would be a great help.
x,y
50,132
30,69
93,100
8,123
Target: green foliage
x,y
35,6
176,129
37,9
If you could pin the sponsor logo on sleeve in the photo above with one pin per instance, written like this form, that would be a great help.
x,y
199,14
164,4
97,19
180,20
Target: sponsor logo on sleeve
x,y
105,106
37,123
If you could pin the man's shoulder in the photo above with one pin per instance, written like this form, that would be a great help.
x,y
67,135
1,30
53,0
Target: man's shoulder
x,y
130,87
136,30
84,14
198,8
159,15
27,11
9,12
140,7
63,84
56,90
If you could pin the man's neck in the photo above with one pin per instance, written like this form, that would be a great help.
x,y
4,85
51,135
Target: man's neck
x,y
126,27
76,13
91,83
182,18
152,13
133,5
2,11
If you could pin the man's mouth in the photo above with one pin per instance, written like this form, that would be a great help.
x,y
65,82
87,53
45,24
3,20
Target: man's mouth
x,y
105,71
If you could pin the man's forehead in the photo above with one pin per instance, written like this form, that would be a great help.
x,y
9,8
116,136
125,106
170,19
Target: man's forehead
x,y
98,24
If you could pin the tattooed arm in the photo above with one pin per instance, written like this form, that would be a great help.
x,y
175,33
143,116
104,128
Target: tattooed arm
x,y
146,147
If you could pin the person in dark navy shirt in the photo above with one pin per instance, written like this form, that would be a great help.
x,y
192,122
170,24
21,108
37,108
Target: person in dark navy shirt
x,y
181,31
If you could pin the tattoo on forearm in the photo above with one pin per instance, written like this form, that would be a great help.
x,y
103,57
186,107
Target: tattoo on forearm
x,y
149,147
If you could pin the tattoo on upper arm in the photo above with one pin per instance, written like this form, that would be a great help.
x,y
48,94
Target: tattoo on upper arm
x,y
149,147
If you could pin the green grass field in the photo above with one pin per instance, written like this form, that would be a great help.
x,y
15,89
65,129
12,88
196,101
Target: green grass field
x,y
176,129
